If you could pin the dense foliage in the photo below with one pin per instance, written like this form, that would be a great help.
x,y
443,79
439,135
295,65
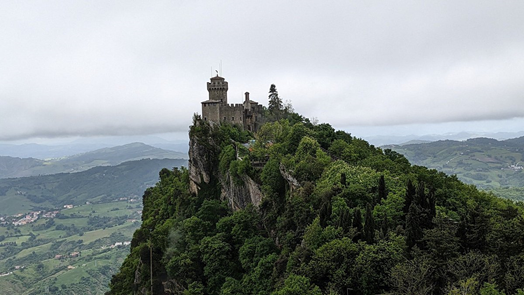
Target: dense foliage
x,y
347,218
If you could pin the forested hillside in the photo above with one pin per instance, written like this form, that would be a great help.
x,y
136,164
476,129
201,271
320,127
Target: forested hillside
x,y
487,163
337,216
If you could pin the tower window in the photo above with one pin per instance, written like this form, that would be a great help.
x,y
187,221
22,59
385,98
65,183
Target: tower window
x,y
232,118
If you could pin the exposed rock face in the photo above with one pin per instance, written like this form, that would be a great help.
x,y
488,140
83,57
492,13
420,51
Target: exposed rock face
x,y
240,196
200,165
292,182
203,162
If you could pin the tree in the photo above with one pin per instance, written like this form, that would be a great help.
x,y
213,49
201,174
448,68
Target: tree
x,y
217,257
413,277
275,106
413,226
298,285
382,193
369,226
357,224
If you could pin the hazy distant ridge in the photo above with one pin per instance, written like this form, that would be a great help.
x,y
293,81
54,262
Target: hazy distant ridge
x,y
485,162
12,167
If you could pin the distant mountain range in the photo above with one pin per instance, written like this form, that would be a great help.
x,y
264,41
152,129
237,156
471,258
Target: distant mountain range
x,y
11,167
98,184
381,140
83,145
485,162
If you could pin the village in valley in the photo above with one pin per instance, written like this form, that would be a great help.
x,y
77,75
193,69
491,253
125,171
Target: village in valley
x,y
70,236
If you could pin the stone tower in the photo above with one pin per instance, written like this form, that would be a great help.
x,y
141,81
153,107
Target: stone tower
x,y
216,109
217,89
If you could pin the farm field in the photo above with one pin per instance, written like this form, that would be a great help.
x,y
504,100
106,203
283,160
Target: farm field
x,y
75,251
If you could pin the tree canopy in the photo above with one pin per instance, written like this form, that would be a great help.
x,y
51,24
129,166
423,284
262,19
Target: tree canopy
x,y
355,220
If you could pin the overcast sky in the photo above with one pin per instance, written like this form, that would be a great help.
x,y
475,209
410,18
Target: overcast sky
x,y
93,68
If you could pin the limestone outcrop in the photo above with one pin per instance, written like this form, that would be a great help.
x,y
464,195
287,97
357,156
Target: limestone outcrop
x,y
240,196
203,170
200,163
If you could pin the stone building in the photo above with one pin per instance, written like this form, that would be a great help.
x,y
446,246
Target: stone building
x,y
217,110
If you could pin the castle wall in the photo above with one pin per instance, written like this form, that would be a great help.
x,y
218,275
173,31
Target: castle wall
x,y
211,112
233,113
253,117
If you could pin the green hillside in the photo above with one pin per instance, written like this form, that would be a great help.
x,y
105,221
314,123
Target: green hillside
x,y
106,211
28,254
99,184
336,216
12,167
486,163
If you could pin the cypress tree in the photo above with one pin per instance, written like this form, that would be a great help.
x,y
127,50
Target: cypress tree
x,y
325,213
385,225
343,179
410,195
344,221
369,226
382,194
414,231
357,224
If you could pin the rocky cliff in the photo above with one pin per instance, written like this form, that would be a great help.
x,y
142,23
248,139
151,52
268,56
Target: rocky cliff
x,y
204,153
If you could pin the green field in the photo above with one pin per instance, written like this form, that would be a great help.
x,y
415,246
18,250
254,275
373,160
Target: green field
x,y
36,247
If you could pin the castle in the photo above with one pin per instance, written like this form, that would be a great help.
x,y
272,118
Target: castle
x,y
216,109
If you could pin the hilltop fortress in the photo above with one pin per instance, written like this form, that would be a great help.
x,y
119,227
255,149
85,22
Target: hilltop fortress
x,y
217,110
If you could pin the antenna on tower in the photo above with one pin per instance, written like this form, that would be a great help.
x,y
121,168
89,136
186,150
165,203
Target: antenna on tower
x,y
220,69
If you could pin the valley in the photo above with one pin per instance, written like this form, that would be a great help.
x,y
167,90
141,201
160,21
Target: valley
x,y
75,251
488,164
68,233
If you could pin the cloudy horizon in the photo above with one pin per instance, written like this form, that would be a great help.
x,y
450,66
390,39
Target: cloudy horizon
x,y
99,68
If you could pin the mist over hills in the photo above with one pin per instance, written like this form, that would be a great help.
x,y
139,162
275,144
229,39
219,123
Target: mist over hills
x,y
60,148
11,167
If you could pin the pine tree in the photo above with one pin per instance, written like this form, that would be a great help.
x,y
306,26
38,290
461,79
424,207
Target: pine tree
x,y
275,106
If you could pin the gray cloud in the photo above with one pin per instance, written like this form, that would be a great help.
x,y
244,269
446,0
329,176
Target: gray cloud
x,y
131,67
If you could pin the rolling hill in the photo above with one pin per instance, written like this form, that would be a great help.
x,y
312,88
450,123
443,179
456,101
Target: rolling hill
x,y
98,184
12,167
484,162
